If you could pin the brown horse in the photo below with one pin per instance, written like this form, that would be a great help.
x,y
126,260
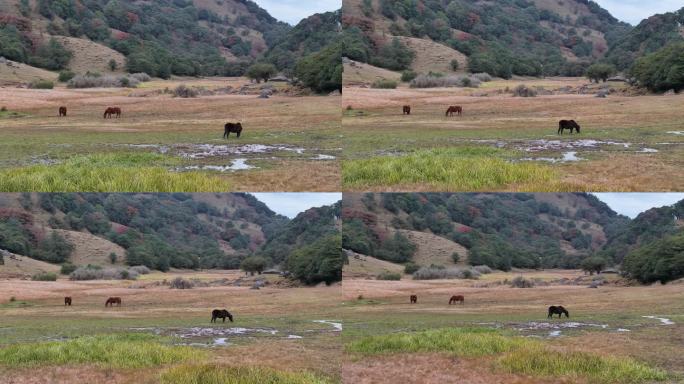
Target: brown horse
x,y
232,128
221,314
568,124
414,299
113,300
109,112
456,298
454,109
67,301
407,109
62,111
558,310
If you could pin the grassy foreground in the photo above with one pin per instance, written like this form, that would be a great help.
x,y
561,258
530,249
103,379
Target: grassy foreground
x,y
216,374
115,351
125,172
513,354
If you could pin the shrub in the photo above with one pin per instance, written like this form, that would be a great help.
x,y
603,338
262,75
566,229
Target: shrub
x,y
389,276
483,77
662,70
454,65
67,269
483,269
112,65
411,268
44,277
112,258
598,72
254,264
521,282
185,92
181,283
523,90
408,76
65,76
261,71
434,273
455,257
384,84
97,81
140,269
42,84
141,77
432,81
91,272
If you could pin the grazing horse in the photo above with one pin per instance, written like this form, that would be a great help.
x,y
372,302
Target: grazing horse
x,y
407,109
457,298
454,109
113,300
67,301
62,111
109,112
232,128
414,299
221,314
558,310
568,124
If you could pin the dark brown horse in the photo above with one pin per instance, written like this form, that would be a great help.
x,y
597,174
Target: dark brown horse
x,y
232,128
221,314
67,301
62,111
113,300
456,298
568,124
558,310
414,299
407,109
111,111
454,109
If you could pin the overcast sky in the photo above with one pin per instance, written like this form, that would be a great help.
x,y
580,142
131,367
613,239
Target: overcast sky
x,y
291,204
633,11
293,11
632,204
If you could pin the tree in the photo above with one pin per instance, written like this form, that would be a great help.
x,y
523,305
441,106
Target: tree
x,y
598,72
112,65
319,262
454,65
593,264
662,70
254,264
112,258
322,71
261,71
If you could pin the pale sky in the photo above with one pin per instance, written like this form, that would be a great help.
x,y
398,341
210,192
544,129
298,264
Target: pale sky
x,y
292,204
634,11
632,204
293,11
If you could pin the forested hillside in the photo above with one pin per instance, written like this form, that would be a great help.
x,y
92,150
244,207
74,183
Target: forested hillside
x,y
521,37
162,231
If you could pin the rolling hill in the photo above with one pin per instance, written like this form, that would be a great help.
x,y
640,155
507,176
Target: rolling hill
x,y
503,38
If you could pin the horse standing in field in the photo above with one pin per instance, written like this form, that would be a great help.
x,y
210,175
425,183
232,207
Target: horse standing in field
x,y
456,298
111,111
454,109
568,124
232,128
62,111
221,314
558,310
414,299
113,300
67,301
407,109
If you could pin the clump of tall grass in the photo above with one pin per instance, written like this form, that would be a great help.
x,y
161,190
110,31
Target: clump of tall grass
x,y
384,84
140,269
132,172
111,351
540,361
185,92
483,269
432,273
44,277
217,374
431,81
42,84
521,282
181,283
462,342
89,273
483,77
389,276
461,169
108,81
523,90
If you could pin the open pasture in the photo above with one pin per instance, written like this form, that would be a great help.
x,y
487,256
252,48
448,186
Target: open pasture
x,y
506,143
163,335
615,334
166,143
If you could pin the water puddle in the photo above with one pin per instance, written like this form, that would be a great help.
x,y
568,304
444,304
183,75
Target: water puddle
x,y
294,337
648,150
663,320
567,157
555,333
559,145
203,151
623,330
336,325
679,133
323,157
235,165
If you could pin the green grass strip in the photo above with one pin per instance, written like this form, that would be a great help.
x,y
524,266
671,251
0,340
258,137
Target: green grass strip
x,y
215,374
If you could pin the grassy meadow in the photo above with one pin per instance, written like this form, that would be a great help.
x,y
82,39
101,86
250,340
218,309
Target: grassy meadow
x,y
506,143
502,334
163,335
164,143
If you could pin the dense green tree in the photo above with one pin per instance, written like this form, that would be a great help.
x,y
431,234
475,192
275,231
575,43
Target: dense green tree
x,y
254,264
598,72
261,71
662,70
